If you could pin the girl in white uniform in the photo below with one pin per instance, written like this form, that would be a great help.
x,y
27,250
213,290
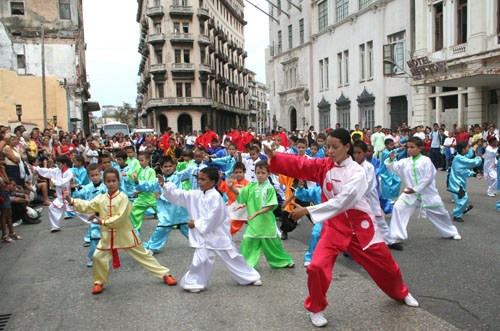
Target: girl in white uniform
x,y
490,166
209,233
418,173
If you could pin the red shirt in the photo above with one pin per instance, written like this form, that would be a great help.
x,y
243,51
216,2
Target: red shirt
x,y
462,137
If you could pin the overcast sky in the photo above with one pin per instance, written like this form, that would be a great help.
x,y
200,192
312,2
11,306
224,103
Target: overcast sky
x,y
112,37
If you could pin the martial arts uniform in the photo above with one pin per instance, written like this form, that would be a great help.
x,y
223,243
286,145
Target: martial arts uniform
x,y
457,181
313,195
419,174
144,200
490,169
210,237
127,185
62,180
190,174
390,182
348,225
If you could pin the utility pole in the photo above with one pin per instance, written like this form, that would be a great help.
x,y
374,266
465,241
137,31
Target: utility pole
x,y
44,88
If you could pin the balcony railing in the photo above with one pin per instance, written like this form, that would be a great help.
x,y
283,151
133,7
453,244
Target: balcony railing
x,y
205,68
457,50
181,11
181,37
158,68
203,14
182,67
203,39
155,11
157,38
179,101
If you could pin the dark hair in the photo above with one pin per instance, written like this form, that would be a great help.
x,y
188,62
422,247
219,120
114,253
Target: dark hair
x,y
167,159
388,140
104,155
188,153
256,142
79,159
416,140
321,135
344,137
239,165
361,145
146,154
121,155
460,146
212,173
111,170
63,159
253,149
92,167
301,141
314,144
130,147
31,159
356,137
262,164
294,139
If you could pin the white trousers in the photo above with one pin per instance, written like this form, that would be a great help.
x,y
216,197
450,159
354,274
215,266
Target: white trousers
x,y
55,216
491,178
402,212
203,263
383,228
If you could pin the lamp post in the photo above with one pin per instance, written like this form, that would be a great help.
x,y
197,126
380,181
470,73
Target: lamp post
x,y
303,123
54,120
19,112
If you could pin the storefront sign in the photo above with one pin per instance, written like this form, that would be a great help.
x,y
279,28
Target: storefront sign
x,y
423,67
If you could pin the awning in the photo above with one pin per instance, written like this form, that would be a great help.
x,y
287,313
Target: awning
x,y
74,119
469,78
91,106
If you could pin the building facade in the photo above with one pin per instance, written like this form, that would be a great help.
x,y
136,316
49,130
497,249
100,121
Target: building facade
x,y
340,61
259,112
456,62
42,54
192,71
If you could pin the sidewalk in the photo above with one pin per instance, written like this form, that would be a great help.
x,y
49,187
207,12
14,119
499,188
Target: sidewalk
x,y
45,285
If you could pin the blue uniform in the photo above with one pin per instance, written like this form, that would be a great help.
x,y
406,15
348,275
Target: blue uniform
x,y
391,183
319,155
81,178
190,174
89,192
225,164
384,203
127,186
311,195
457,181
169,215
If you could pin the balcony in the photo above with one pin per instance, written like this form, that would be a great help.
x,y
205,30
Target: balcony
x,y
457,51
157,38
211,23
181,11
172,101
156,11
181,38
182,67
203,14
203,40
158,69
204,69
211,48
245,54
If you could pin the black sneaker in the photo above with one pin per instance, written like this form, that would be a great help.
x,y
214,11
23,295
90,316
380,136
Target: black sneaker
x,y
284,236
458,219
30,221
396,246
469,207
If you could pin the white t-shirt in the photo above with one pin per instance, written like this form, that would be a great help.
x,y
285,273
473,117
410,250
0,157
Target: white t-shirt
x,y
449,142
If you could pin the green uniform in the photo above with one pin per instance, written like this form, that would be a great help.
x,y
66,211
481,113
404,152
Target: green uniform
x,y
144,200
262,232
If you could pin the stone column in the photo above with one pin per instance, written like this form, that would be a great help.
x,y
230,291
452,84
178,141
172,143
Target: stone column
x,y
439,104
475,105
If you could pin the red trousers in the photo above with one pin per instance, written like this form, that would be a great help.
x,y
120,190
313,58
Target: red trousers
x,y
236,226
338,236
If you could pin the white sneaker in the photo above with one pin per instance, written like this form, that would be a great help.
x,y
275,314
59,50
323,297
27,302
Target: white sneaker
x,y
456,237
193,290
291,265
318,319
150,252
257,283
17,223
491,194
410,301
307,263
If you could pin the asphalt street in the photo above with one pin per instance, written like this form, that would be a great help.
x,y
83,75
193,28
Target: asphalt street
x,y
45,285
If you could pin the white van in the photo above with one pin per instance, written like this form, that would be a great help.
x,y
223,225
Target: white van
x,y
147,132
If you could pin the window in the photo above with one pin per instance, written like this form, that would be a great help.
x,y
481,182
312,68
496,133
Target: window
x,y
279,7
322,15
16,8
325,67
186,56
367,115
339,69
342,9
369,48
185,27
279,42
344,116
346,67
178,89
177,27
364,3
394,54
177,56
21,61
324,120
187,87
157,27
301,30
498,19
64,10
438,26
362,62
321,78
160,90
204,90
462,21
159,56
290,37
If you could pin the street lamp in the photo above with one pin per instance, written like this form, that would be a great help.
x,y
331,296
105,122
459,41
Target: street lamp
x,y
304,123
19,112
54,120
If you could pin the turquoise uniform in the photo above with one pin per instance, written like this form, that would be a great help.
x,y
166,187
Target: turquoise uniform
x,y
311,195
390,182
457,181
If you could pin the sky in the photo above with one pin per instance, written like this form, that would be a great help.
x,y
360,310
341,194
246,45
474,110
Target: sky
x,y
112,38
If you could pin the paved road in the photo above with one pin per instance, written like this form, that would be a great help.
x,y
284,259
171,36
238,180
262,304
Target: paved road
x,y
45,285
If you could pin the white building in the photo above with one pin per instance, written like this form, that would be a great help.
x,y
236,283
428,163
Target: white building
x,y
456,63
259,115
340,61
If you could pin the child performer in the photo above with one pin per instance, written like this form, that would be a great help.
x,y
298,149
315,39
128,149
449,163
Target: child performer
x,y
169,214
371,195
262,233
61,177
418,173
192,170
347,221
237,211
490,168
89,192
144,200
457,181
209,233
113,209
390,182
127,185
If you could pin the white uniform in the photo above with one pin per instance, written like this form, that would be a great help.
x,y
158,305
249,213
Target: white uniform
x,y
490,169
419,174
61,181
371,197
210,237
